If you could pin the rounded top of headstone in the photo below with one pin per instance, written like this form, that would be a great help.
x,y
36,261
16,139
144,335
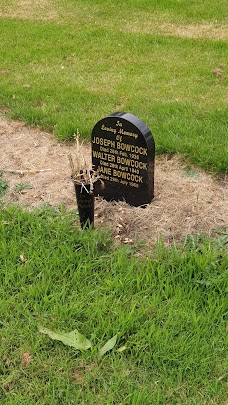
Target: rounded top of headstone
x,y
132,123
133,120
123,153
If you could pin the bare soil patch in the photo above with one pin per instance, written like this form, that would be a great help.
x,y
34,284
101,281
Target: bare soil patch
x,y
187,200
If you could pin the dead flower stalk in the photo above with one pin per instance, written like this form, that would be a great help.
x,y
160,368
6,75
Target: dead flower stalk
x,y
81,171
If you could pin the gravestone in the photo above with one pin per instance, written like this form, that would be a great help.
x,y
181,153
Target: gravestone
x,y
123,153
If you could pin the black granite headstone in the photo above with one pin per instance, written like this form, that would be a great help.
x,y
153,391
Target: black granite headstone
x,y
123,152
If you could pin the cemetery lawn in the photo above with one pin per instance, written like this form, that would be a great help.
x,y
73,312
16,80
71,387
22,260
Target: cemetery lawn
x,y
65,65
168,308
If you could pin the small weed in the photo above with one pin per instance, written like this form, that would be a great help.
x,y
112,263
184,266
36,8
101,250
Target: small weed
x,y
3,186
191,172
20,187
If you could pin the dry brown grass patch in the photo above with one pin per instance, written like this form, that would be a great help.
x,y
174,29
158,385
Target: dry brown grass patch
x,y
196,31
149,23
186,201
29,9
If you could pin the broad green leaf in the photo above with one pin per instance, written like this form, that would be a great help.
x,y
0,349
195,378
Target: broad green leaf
x,y
74,338
108,346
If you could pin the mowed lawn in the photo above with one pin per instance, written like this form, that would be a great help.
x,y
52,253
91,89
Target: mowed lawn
x,y
168,309
65,65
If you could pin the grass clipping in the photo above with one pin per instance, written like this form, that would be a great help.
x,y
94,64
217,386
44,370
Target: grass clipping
x,y
81,170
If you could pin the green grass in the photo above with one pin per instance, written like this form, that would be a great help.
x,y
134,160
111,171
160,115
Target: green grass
x,y
3,186
65,65
90,59
168,309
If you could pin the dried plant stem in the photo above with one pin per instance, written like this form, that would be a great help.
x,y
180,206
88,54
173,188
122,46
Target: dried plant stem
x,y
25,171
81,171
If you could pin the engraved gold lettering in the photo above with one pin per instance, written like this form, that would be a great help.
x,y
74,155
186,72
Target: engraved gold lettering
x,y
133,184
132,134
104,177
131,148
124,182
108,129
104,170
134,156
114,151
104,163
134,170
126,168
113,165
129,176
114,179
104,149
123,153
103,156
108,142
104,142
132,163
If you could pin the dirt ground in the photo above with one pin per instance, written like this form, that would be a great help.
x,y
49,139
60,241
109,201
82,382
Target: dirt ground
x,y
187,200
